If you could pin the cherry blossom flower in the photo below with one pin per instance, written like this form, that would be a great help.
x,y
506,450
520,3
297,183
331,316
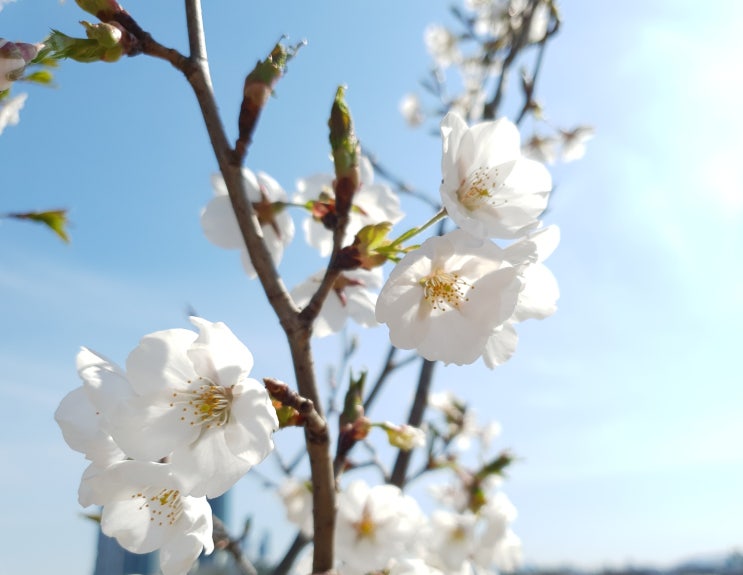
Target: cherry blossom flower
x,y
442,45
541,148
195,404
488,187
9,111
372,204
297,498
220,224
145,509
373,525
446,298
497,515
410,109
351,296
574,142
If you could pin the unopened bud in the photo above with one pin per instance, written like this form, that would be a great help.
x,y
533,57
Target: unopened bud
x,y
107,35
346,154
405,437
104,10
105,43
14,56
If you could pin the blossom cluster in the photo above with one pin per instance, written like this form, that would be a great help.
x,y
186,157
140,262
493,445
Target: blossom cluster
x,y
469,60
354,293
381,529
458,296
181,423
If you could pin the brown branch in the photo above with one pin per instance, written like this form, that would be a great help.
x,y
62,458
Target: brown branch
x,y
518,41
317,440
286,563
222,540
196,71
415,419
195,25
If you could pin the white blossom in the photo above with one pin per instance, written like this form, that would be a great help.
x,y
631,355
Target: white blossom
x,y
574,142
372,204
445,298
410,109
541,148
145,509
442,45
195,404
220,225
353,296
374,524
488,187
297,498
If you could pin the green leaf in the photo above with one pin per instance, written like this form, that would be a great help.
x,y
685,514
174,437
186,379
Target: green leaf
x,y
55,220
43,77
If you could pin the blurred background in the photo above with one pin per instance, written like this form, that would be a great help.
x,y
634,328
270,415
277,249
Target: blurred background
x,y
624,407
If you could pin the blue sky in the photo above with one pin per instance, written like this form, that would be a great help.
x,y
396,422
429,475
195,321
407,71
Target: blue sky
x,y
625,406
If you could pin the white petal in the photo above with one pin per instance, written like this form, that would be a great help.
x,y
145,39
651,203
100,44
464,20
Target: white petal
x,y
160,362
500,346
219,223
218,355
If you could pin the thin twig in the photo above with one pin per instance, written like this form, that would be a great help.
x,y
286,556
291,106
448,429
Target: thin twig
x,y
415,419
196,71
286,563
222,540
518,41
195,24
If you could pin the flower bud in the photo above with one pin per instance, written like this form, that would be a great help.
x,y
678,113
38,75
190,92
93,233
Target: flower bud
x,y
107,35
14,56
405,437
105,43
346,153
104,10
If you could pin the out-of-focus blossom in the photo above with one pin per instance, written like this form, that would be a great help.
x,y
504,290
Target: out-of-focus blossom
x,y
410,109
353,296
541,148
375,524
442,45
297,498
574,142
372,204
220,225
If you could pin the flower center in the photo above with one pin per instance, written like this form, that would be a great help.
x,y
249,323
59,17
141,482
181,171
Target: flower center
x,y
207,405
365,527
445,290
164,506
479,188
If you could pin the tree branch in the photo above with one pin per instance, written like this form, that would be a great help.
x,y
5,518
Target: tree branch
x,y
415,419
195,24
196,71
